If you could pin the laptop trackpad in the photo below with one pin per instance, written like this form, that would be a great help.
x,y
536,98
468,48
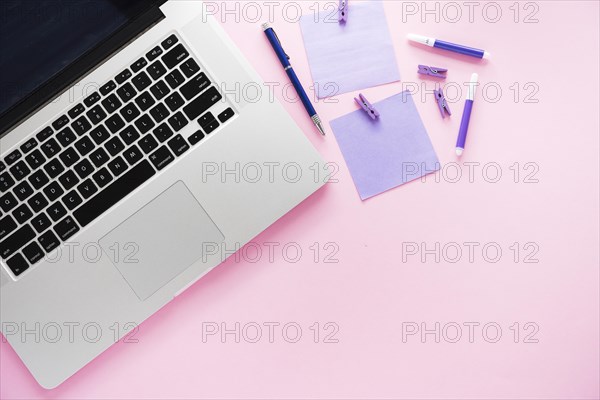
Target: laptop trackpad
x,y
161,240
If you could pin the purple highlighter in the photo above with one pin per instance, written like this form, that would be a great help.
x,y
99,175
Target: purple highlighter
x,y
457,48
464,123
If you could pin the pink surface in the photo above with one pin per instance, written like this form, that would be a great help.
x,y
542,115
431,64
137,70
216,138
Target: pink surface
x,y
377,290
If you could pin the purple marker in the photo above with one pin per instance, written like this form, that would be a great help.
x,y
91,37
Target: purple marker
x,y
464,123
457,48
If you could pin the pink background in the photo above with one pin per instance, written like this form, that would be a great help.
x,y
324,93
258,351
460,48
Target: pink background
x,y
370,292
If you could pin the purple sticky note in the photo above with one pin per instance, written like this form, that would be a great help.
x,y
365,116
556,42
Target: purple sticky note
x,y
345,57
388,152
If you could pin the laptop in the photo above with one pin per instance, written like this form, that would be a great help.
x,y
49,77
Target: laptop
x,y
134,159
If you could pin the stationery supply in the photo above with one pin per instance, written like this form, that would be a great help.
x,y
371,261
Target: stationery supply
x,y
367,106
441,102
389,152
464,123
457,48
432,71
347,57
285,62
343,11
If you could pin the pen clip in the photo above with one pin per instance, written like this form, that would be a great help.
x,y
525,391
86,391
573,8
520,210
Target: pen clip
x,y
280,45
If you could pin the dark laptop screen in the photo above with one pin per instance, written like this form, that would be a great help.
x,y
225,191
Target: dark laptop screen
x,y
40,39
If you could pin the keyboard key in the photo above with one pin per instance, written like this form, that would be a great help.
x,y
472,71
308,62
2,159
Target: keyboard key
x,y
206,119
6,182
38,179
50,148
114,192
69,157
168,42
68,179
8,202
37,202
44,134
144,101
49,241
54,168
75,111
28,145
174,79
41,222
20,170
99,157
23,190
108,87
160,90
148,143
66,228
111,103
202,103
175,56
117,166
22,213
126,92
71,200
14,242
99,135
13,157
7,225
92,99
226,115
2,166
141,81
83,168
35,159
33,253
56,211
138,65
159,113
123,76
178,121
129,135
17,264
211,126
189,67
81,125
162,133
178,145
87,188
133,154
161,158
130,112
156,70
96,115
114,146
84,145
174,101
53,191
195,86
60,122
115,123
102,177
144,124
196,137
66,137
155,52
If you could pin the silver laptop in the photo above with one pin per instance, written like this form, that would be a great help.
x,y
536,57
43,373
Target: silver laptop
x,y
133,161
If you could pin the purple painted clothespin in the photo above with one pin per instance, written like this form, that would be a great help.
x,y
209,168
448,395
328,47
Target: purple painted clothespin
x,y
433,71
368,107
442,103
343,11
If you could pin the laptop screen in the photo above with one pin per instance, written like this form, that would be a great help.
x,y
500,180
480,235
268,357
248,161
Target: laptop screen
x,y
41,39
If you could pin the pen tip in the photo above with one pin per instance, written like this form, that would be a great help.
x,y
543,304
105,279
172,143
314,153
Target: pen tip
x,y
459,151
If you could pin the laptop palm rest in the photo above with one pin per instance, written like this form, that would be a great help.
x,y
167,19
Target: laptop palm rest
x,y
161,240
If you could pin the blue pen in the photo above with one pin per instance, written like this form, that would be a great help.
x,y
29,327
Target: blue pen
x,y
285,61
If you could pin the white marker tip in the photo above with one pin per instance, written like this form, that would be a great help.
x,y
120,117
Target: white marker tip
x,y
487,55
459,151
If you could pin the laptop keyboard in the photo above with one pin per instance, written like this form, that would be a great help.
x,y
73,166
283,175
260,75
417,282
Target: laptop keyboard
x,y
68,174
